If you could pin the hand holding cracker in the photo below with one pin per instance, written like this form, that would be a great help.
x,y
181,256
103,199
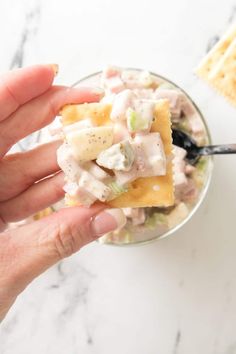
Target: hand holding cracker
x,y
133,171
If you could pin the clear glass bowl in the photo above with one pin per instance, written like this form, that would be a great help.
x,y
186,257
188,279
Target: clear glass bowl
x,y
143,234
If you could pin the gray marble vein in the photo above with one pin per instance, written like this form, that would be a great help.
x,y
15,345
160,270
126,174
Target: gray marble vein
x,y
28,34
229,21
211,42
232,15
29,31
177,342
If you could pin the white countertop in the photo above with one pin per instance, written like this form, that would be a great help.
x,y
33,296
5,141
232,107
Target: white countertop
x,y
175,296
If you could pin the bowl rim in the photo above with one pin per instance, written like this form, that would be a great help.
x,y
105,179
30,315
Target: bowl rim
x,y
210,164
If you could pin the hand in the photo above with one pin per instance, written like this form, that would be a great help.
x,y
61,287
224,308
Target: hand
x,y
31,181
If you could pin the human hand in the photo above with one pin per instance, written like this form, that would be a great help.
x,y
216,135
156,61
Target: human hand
x,y
30,181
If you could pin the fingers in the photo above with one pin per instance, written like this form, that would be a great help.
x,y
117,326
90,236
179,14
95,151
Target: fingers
x,y
29,250
41,111
39,196
21,85
19,171
2,225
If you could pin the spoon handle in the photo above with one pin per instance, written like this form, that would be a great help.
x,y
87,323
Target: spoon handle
x,y
217,149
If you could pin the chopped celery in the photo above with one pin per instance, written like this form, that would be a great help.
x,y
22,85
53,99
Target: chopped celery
x,y
116,189
135,121
177,215
183,125
166,85
126,236
199,175
155,220
201,165
146,79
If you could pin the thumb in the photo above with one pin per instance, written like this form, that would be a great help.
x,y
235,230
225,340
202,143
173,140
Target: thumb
x,y
27,251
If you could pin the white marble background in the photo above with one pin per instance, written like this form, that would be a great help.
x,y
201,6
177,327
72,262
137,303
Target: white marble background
x,y
175,296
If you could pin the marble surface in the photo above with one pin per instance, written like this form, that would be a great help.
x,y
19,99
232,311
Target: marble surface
x,y
175,296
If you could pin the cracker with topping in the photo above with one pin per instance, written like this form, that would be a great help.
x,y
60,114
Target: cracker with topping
x,y
145,191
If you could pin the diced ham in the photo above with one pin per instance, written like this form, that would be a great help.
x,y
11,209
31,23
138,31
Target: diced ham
x,y
150,154
190,192
134,81
127,212
175,100
80,183
196,125
180,180
79,194
189,169
114,84
185,188
96,171
132,84
122,102
130,80
68,163
124,178
95,187
141,158
149,161
111,71
111,79
145,78
120,132
136,215
179,165
178,103
144,93
187,107
179,153
71,188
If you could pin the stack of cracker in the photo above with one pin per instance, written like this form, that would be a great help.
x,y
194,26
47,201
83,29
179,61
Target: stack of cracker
x,y
218,68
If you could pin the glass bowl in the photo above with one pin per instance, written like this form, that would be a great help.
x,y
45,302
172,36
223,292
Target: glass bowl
x,y
146,233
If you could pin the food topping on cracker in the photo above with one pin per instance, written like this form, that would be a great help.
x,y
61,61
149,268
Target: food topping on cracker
x,y
117,150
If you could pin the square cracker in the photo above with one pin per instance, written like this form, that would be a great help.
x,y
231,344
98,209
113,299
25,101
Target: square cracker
x,y
215,54
218,68
143,192
99,113
223,77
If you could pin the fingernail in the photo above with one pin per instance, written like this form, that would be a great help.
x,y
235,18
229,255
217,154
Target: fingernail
x,y
108,220
55,68
98,91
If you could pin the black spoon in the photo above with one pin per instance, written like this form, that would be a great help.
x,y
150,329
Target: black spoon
x,y
194,152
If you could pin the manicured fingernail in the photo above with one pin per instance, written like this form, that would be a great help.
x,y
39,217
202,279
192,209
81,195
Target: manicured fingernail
x,y
108,220
55,68
98,91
